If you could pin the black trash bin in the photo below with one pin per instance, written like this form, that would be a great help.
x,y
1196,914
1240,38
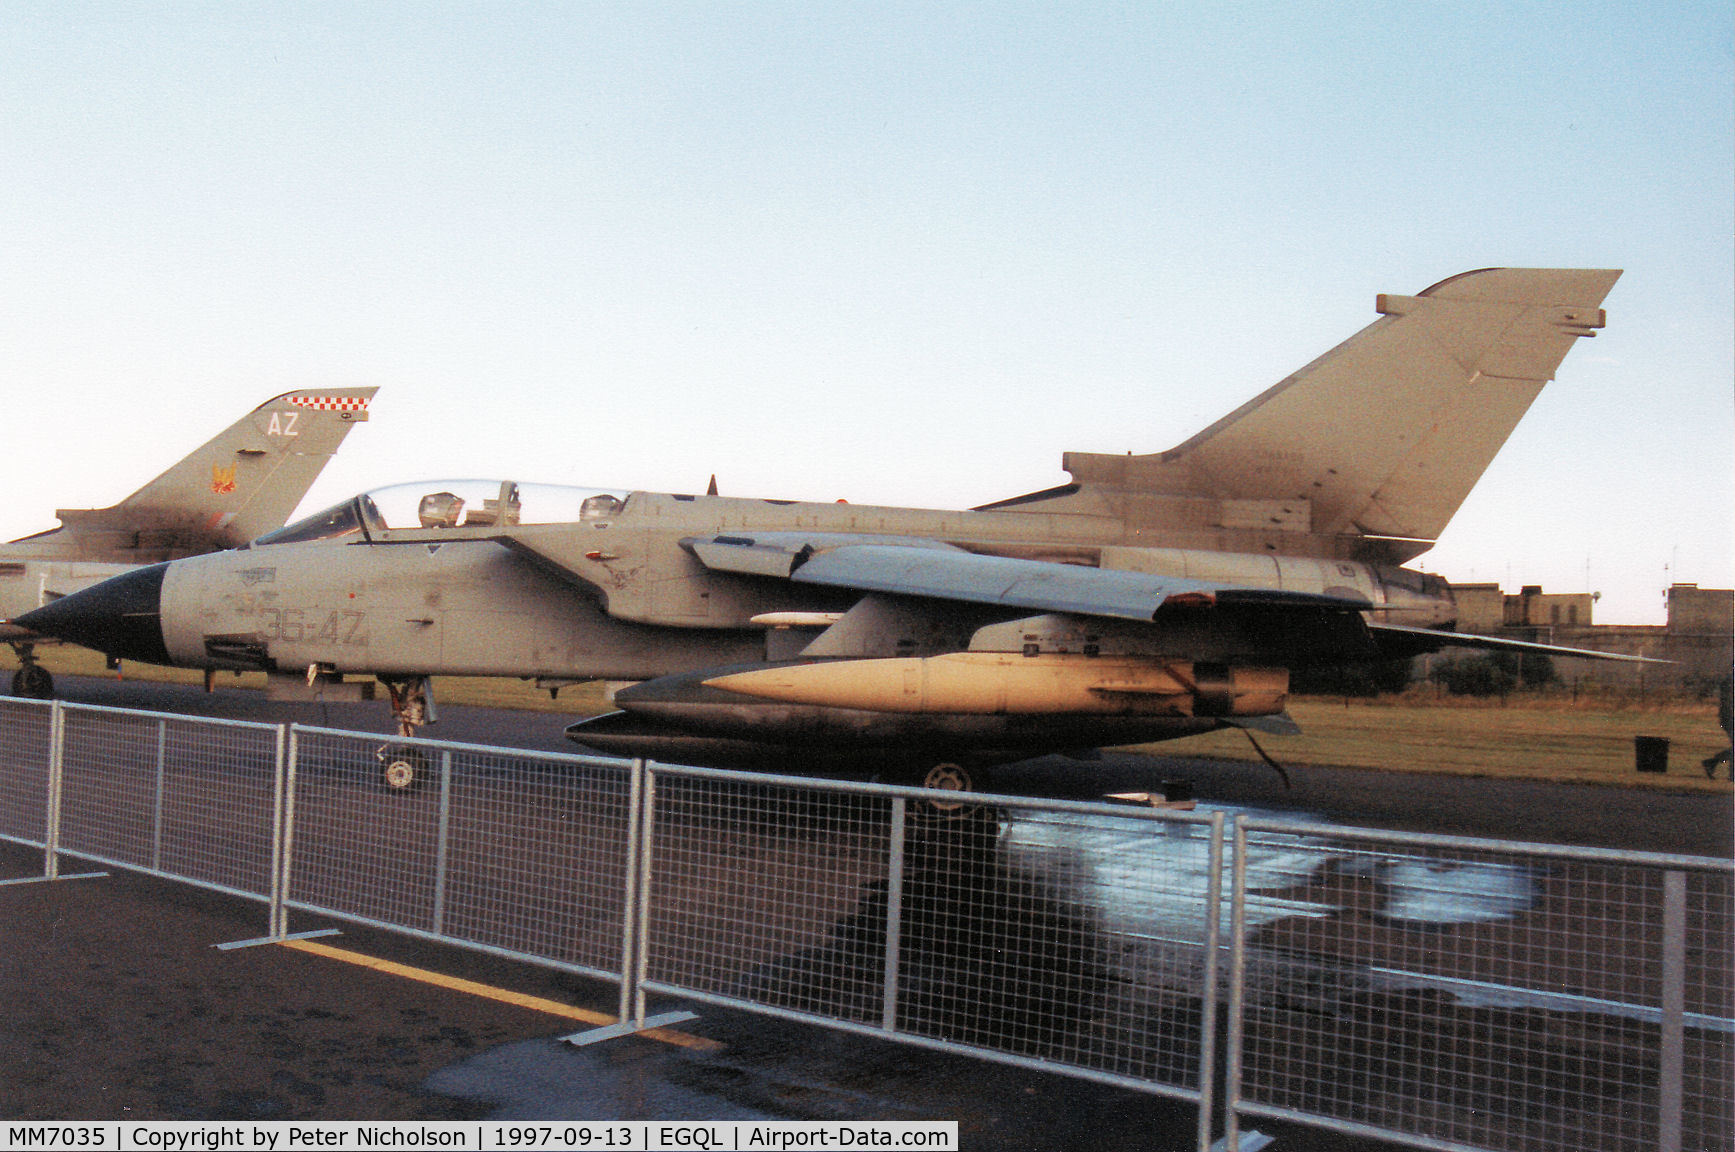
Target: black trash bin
x,y
1651,753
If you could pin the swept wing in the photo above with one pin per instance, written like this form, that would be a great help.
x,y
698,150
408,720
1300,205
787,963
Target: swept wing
x,y
932,569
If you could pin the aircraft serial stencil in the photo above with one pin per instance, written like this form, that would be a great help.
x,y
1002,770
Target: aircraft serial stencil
x,y
1151,597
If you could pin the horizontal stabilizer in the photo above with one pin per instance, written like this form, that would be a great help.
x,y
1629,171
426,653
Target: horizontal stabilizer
x,y
1401,640
1281,724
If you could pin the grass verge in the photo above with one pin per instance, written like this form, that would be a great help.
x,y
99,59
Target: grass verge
x,y
1537,740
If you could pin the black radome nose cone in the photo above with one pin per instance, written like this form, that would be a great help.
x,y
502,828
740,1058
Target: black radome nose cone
x,y
120,617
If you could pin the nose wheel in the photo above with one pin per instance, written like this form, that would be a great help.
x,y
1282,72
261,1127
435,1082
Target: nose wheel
x,y
402,769
32,680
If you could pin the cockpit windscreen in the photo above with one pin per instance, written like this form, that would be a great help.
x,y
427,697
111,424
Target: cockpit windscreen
x,y
453,504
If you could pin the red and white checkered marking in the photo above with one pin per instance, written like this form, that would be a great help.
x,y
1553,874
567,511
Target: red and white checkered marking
x,y
331,403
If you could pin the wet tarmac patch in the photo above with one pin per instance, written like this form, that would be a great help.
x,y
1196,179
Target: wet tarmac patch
x,y
549,1080
772,1069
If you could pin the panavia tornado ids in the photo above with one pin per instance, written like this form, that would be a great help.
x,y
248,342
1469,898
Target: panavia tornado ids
x,y
1151,597
246,480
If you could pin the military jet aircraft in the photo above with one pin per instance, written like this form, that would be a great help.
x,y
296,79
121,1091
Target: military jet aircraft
x,y
245,481
1151,597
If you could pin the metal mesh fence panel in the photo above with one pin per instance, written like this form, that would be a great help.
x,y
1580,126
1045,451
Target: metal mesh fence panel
x,y
1101,926
1485,996
766,893
1708,1001
25,731
493,848
109,782
219,777
191,798
1043,932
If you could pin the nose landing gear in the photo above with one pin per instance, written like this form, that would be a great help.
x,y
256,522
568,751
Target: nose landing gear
x,y
32,680
402,768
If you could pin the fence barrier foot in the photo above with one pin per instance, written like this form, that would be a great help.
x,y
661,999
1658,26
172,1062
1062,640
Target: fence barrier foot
x,y
257,940
626,1028
1250,1142
52,879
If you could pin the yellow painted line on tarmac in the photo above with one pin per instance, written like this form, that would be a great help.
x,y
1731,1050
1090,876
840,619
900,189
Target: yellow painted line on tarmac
x,y
489,992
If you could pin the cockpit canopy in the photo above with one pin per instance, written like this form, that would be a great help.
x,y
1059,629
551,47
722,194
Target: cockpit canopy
x,y
452,504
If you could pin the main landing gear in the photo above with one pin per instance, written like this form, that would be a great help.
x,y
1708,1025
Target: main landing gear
x,y
949,835
404,768
31,680
946,776
943,776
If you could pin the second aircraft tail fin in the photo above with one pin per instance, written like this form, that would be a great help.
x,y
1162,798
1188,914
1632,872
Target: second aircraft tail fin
x,y
244,481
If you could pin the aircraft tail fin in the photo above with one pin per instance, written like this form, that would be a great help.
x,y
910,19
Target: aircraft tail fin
x,y
1384,435
243,482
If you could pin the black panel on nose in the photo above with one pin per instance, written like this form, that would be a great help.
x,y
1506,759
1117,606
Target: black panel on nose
x,y
121,617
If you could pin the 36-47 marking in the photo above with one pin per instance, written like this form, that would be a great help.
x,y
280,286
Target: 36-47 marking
x,y
293,626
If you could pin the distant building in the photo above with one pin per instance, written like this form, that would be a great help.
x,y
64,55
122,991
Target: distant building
x,y
1481,608
1698,639
1538,609
1484,609
1696,610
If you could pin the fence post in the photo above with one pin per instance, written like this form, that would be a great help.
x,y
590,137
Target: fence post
x,y
630,895
56,772
274,908
283,845
441,841
1670,1063
647,820
894,915
157,799
1237,991
1208,980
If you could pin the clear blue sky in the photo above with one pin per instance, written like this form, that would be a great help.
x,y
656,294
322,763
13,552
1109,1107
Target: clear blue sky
x,y
902,254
